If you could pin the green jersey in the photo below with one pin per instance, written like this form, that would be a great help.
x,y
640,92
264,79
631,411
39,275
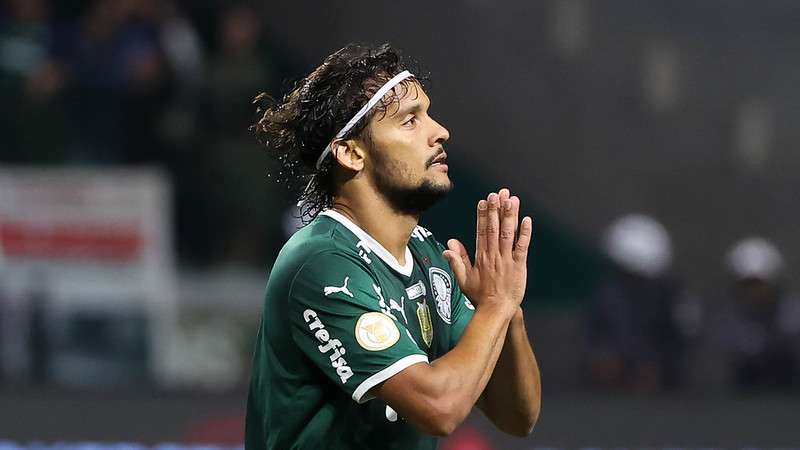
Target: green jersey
x,y
342,315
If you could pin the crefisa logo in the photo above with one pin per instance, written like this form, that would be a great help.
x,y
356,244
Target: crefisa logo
x,y
337,361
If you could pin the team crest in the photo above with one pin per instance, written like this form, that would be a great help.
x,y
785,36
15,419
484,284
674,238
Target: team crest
x,y
425,325
376,331
442,288
468,303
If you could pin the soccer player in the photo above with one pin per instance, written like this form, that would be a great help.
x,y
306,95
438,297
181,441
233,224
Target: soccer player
x,y
374,335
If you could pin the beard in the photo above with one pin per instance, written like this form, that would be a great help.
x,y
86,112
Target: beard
x,y
404,198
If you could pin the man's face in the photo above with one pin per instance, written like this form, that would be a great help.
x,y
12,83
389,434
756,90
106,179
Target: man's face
x,y
757,291
406,160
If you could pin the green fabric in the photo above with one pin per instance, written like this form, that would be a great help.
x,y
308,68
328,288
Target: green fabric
x,y
332,304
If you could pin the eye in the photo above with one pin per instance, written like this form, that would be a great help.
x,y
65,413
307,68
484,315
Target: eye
x,y
410,122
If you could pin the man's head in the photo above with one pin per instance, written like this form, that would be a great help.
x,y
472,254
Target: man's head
x,y
756,266
395,149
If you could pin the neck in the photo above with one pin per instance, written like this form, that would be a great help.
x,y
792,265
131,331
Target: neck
x,y
375,216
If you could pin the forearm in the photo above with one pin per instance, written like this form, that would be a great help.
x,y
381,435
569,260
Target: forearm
x,y
512,397
461,375
436,397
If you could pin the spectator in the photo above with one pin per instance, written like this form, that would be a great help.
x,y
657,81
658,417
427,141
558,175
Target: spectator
x,y
245,201
29,83
240,70
185,56
186,141
759,324
115,76
636,333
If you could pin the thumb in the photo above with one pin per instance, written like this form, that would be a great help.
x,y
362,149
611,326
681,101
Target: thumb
x,y
457,265
456,255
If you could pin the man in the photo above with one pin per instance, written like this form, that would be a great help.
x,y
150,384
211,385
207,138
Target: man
x,y
759,321
640,320
368,339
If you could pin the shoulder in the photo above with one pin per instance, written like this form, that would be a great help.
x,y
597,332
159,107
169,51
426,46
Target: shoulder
x,y
424,244
320,246
429,250
423,240
324,248
322,236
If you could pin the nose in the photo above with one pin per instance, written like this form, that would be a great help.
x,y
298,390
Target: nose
x,y
440,134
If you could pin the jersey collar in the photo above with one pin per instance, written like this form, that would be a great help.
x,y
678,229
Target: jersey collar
x,y
374,245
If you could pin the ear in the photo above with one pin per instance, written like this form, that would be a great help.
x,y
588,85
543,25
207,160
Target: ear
x,y
349,154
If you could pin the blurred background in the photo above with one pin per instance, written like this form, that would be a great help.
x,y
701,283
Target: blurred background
x,y
653,141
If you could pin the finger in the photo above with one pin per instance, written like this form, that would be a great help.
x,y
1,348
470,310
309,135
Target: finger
x,y
480,232
508,225
504,194
457,266
493,224
524,240
456,246
459,261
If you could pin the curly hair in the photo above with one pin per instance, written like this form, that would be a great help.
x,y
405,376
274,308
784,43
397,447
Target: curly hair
x,y
298,128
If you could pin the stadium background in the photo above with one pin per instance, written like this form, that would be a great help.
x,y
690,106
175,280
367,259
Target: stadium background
x,y
589,110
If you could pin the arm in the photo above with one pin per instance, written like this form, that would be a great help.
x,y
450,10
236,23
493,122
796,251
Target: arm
x,y
437,397
512,398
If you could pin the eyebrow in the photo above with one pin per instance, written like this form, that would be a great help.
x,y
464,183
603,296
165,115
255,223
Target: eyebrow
x,y
414,107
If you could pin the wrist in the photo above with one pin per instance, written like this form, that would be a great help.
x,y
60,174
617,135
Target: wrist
x,y
518,317
504,309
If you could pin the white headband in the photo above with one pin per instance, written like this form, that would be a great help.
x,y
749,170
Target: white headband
x,y
363,111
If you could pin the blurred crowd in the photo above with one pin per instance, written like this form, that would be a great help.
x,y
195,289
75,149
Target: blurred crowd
x,y
149,82
647,332
169,83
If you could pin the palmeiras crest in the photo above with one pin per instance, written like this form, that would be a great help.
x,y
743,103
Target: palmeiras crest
x,y
442,287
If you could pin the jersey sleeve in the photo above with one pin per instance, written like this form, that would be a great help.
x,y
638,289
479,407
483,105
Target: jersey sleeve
x,y
462,311
341,321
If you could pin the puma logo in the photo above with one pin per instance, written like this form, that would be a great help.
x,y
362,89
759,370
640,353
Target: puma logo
x,y
334,289
393,305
